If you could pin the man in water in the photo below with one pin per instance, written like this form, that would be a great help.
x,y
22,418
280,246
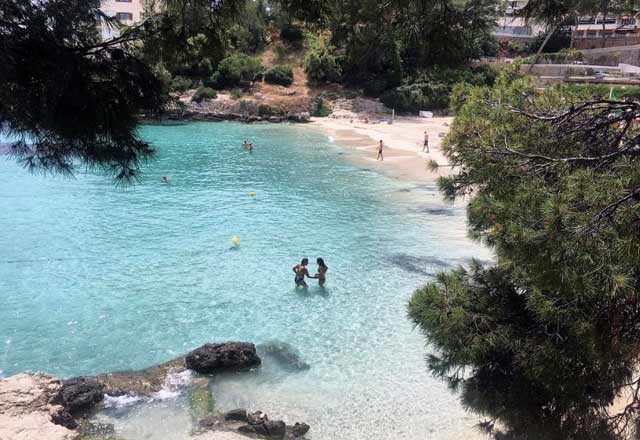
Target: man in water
x,y
301,271
380,155
165,179
425,146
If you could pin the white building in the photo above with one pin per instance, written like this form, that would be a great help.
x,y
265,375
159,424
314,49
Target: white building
x,y
127,12
511,27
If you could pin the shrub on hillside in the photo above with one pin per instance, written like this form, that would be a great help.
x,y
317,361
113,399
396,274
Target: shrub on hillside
x,y
320,63
238,69
281,75
204,94
291,34
281,52
418,96
182,83
320,109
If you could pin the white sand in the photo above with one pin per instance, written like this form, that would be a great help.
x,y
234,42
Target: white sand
x,y
403,156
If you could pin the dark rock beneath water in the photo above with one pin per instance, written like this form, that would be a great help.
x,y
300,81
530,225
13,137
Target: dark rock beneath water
x,y
239,415
283,354
80,394
299,430
266,428
98,430
215,358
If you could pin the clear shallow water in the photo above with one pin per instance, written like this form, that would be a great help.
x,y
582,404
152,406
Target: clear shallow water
x,y
94,278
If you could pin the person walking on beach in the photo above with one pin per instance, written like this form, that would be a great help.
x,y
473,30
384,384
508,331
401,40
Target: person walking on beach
x,y
380,148
301,271
425,146
322,270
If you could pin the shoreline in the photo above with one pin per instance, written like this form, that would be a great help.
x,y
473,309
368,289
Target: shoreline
x,y
403,156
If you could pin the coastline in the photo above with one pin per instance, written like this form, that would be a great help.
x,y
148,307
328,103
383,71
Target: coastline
x,y
403,156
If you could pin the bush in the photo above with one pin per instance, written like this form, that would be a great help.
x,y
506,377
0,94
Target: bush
x,y
236,94
458,96
320,63
419,96
282,75
320,109
281,52
266,110
182,84
291,34
238,69
204,94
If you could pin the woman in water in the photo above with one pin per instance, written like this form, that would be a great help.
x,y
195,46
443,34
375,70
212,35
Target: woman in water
x,y
322,270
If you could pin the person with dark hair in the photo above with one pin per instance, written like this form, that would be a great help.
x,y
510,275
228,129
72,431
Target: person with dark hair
x,y
380,147
301,271
322,270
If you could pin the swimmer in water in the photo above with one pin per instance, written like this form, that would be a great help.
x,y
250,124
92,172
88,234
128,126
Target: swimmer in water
x,y
322,270
301,271
250,148
165,179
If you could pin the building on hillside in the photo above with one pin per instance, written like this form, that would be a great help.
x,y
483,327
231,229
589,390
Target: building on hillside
x,y
511,27
618,31
127,12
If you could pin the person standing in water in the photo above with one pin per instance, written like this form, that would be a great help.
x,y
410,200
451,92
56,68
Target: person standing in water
x,y
380,155
301,271
425,146
322,270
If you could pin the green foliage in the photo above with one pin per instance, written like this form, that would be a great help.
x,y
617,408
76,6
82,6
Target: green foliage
x,y
431,90
181,84
281,75
249,35
266,111
204,94
544,339
292,34
320,62
320,109
238,69
281,52
69,98
236,94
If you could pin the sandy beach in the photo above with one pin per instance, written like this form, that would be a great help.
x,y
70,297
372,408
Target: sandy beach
x,y
403,156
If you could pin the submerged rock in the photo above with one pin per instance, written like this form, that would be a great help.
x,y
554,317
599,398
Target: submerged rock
x,y
266,428
140,383
27,410
80,394
284,354
217,358
239,415
201,400
298,430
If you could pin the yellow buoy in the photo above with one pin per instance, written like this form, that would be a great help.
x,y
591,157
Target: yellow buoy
x,y
235,240
252,194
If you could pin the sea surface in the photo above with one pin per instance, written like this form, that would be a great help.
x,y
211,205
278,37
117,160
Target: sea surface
x,y
96,278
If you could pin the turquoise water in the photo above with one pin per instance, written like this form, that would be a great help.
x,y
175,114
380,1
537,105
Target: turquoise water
x,y
96,278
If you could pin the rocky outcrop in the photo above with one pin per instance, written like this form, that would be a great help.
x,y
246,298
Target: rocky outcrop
x,y
142,382
219,358
27,411
255,425
284,354
80,394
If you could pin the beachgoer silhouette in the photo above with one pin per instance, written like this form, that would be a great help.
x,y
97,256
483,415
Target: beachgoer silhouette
x,y
301,271
380,155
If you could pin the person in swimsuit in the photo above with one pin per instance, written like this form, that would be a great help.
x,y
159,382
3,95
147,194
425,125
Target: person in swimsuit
x,y
425,146
380,155
301,271
322,270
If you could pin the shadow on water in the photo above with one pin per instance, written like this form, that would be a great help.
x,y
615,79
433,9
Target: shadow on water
x,y
444,212
428,266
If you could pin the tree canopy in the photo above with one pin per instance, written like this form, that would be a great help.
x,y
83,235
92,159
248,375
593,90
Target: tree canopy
x,y
545,339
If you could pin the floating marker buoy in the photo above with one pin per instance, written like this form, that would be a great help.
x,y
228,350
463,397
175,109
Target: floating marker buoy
x,y
235,240
252,194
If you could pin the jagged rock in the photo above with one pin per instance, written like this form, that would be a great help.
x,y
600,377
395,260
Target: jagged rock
x,y
229,356
64,418
142,383
257,417
80,394
266,428
239,415
284,354
27,410
299,430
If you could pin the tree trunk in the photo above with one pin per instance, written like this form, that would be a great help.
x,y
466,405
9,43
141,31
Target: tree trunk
x,y
604,25
544,43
